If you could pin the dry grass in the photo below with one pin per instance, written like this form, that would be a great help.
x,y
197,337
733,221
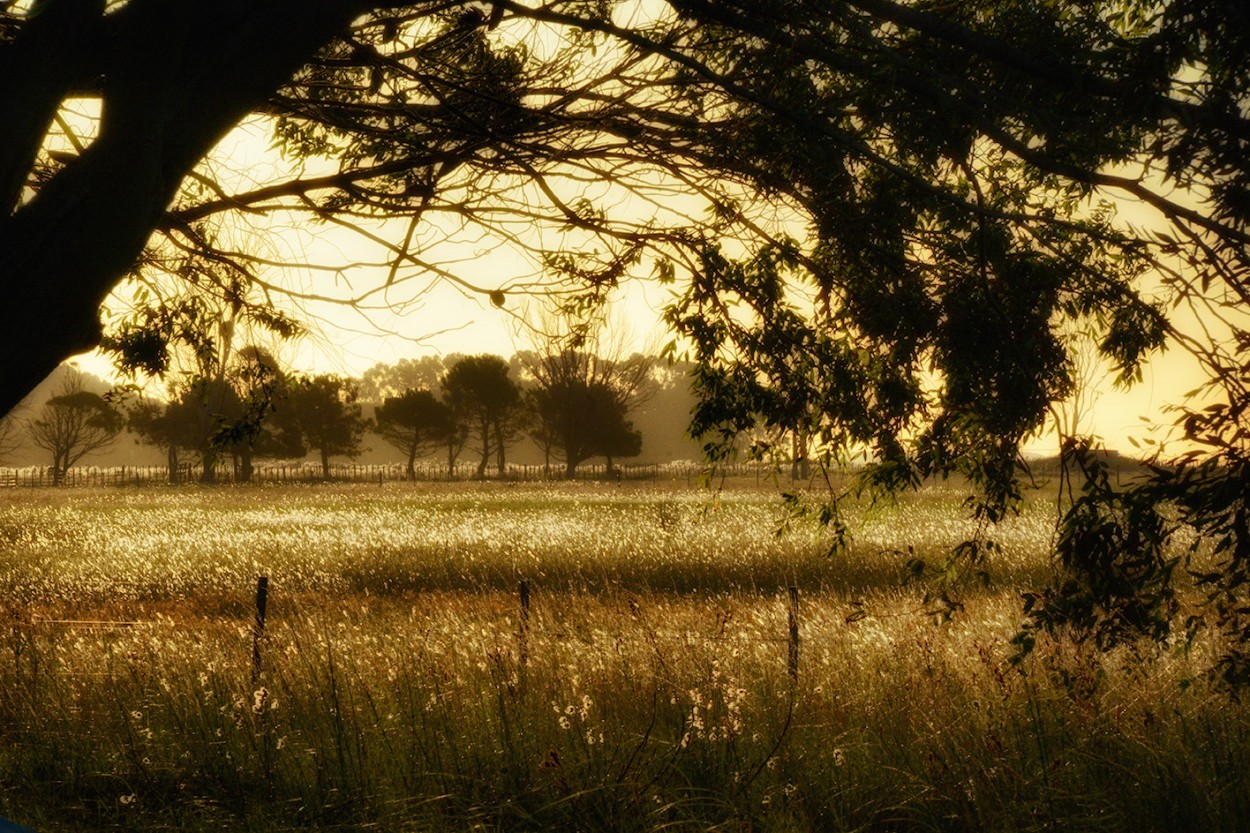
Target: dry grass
x,y
653,695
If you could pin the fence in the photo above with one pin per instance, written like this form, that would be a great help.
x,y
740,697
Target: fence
x,y
37,476
523,631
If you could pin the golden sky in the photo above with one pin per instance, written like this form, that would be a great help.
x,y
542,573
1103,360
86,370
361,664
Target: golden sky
x,y
426,315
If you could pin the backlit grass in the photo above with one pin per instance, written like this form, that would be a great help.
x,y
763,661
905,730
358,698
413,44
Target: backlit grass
x,y
649,689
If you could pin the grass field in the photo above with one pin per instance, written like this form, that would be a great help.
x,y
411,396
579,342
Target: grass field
x,y
647,689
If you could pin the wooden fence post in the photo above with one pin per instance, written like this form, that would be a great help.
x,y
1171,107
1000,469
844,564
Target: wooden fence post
x,y
794,633
523,627
258,628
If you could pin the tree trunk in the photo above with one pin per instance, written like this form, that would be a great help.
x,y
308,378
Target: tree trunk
x,y
484,431
171,463
325,465
208,459
412,463
800,466
176,78
499,450
246,467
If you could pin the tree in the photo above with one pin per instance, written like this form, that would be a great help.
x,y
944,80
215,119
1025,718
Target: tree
x,y
162,424
73,423
9,431
944,163
211,418
413,422
950,161
484,401
583,401
183,327
172,79
584,388
324,407
1119,92
388,380
265,431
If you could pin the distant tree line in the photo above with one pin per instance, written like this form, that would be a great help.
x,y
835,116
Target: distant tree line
x,y
236,408
207,388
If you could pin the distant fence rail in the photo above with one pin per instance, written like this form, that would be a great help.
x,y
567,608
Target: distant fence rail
x,y
37,476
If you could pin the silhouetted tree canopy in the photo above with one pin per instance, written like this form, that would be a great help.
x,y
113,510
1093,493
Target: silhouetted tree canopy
x,y
72,424
415,422
193,326
485,403
383,381
582,402
324,409
876,213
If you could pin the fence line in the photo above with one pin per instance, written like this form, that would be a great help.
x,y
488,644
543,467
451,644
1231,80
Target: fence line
x,y
41,476
523,632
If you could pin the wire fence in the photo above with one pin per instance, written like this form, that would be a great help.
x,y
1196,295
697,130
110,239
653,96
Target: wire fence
x,y
123,475
525,630
33,477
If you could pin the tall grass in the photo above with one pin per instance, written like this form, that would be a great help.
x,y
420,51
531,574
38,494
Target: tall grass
x,y
655,695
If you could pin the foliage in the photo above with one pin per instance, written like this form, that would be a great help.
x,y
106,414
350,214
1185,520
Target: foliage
x,y
582,403
186,320
879,216
383,381
324,409
1121,549
949,163
413,422
485,402
184,316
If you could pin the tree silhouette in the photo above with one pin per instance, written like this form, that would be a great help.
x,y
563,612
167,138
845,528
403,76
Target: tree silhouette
x,y
9,435
194,324
73,423
413,422
172,78
1098,88
582,403
164,425
383,381
324,407
266,429
484,401
947,170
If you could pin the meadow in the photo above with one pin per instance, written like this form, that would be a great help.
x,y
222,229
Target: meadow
x,y
647,687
